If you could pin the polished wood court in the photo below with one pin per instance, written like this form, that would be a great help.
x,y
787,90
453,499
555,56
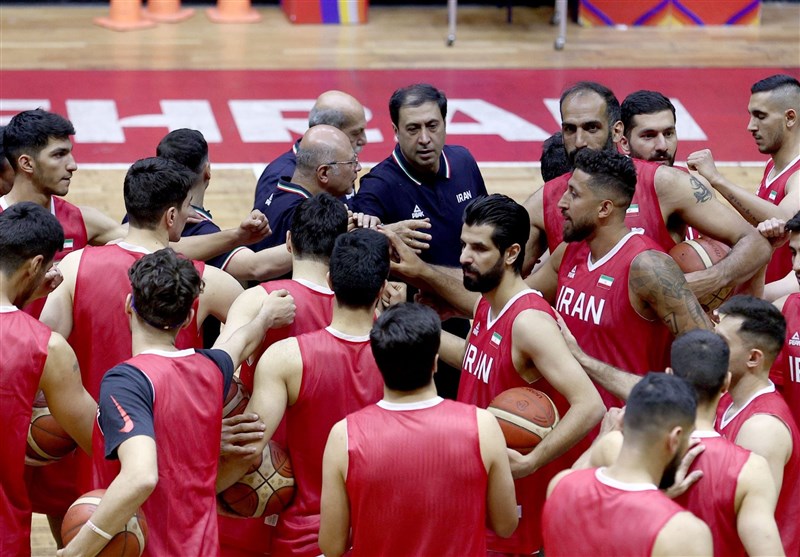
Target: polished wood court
x,y
395,37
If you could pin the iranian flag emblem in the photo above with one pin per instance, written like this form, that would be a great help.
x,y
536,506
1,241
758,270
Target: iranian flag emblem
x,y
605,281
496,338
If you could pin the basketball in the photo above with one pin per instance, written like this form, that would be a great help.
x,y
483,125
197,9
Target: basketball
x,y
47,440
697,255
236,399
129,542
526,416
266,489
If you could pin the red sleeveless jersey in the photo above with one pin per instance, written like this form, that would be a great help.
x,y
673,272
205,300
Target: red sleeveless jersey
x,y
769,401
340,376
590,514
713,499
487,371
774,190
314,312
22,363
75,238
594,302
403,458
785,370
187,412
644,212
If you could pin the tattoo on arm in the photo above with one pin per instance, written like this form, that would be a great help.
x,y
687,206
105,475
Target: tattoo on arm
x,y
658,281
701,192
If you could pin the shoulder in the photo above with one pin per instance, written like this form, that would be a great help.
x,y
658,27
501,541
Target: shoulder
x,y
683,535
284,354
459,152
557,479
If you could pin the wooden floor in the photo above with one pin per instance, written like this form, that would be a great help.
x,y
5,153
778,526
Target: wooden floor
x,y
395,37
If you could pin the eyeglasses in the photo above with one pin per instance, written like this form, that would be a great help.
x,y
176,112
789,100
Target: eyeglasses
x,y
353,162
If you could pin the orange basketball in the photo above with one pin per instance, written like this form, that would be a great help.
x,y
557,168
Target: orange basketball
x,y
129,542
266,489
236,399
526,416
697,255
47,440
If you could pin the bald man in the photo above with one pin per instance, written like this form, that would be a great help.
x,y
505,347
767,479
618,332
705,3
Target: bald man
x,y
333,108
326,161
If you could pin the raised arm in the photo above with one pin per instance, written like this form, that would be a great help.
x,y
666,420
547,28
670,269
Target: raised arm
x,y
252,229
246,264
749,205
100,228
656,281
682,194
71,405
537,340
334,526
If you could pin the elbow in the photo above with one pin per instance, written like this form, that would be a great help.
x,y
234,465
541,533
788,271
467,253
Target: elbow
x,y
506,527
331,547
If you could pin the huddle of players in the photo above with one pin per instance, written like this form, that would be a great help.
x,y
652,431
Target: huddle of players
x,y
294,374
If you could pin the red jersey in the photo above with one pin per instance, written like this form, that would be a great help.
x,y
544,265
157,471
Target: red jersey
x,y
588,513
773,189
340,376
22,363
406,457
314,312
75,238
769,401
487,371
713,499
786,367
644,212
186,398
600,314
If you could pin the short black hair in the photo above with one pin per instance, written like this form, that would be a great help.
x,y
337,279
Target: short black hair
x,y
643,102
359,267
164,287
762,323
658,403
3,160
701,358
416,95
510,220
28,230
554,160
612,103
773,82
316,223
151,187
185,146
405,340
30,131
793,224
612,173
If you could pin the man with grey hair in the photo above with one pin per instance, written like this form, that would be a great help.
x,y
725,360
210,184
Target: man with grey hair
x,y
332,108
326,161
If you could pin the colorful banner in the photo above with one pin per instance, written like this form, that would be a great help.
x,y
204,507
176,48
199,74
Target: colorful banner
x,y
675,13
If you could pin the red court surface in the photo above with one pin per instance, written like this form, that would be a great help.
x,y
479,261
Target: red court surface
x,y
502,116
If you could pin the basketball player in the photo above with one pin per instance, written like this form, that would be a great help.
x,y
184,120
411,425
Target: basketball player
x,y
6,172
775,124
316,379
514,342
190,148
752,414
735,496
787,364
619,294
332,108
414,466
160,414
619,510
32,358
665,202
648,127
554,161
316,224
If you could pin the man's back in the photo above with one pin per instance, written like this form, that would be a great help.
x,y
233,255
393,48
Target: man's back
x,y
415,472
589,513
773,189
339,377
787,365
282,167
